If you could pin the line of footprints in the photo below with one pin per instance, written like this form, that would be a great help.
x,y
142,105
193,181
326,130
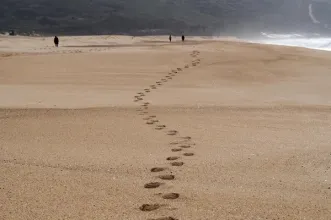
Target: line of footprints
x,y
180,145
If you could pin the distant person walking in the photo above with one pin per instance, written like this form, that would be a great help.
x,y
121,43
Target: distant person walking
x,y
183,38
56,41
170,38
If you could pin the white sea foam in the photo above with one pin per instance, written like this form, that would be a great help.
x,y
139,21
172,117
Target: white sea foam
x,y
313,41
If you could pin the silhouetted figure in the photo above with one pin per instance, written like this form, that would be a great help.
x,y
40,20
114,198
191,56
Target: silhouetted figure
x,y
170,37
183,38
56,41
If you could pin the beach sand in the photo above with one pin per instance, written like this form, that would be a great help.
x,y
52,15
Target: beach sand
x,y
233,130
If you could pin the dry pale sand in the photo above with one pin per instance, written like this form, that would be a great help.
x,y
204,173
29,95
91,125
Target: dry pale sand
x,y
77,141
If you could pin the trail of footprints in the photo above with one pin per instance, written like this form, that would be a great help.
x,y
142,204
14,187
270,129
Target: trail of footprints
x,y
180,146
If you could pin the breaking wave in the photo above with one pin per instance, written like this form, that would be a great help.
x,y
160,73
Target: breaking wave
x,y
313,41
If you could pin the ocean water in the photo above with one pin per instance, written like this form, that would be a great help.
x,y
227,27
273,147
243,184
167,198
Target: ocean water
x,y
313,41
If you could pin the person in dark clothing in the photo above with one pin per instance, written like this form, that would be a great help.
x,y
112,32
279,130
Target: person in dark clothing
x,y
56,41
170,37
183,38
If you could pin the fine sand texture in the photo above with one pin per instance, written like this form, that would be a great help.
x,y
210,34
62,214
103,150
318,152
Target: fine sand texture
x,y
120,127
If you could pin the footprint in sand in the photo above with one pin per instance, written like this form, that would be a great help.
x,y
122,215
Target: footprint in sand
x,y
164,80
152,185
164,218
176,149
167,177
149,207
184,146
172,158
187,138
170,196
179,69
172,132
160,127
188,154
177,164
157,169
138,99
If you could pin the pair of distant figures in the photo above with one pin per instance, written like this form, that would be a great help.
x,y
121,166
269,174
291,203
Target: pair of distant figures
x,y
183,38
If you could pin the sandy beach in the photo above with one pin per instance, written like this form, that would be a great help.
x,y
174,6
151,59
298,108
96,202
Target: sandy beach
x,y
116,127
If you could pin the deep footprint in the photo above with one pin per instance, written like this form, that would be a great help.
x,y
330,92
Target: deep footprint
x,y
185,146
152,185
188,154
177,164
164,218
149,207
157,169
170,196
172,132
172,158
160,127
167,177
176,149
